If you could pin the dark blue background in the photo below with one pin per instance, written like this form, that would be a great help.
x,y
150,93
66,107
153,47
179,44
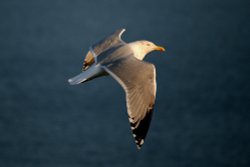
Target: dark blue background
x,y
202,110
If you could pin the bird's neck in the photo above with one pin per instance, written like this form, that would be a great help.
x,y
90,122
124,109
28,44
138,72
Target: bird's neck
x,y
139,52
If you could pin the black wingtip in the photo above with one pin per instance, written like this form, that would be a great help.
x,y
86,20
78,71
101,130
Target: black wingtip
x,y
139,143
140,131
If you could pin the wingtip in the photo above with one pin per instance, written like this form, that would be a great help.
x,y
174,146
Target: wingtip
x,y
121,29
120,32
139,143
138,147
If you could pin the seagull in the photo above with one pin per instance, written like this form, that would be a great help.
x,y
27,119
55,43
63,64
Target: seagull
x,y
124,62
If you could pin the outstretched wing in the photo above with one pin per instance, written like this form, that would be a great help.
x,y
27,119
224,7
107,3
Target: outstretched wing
x,y
108,42
138,79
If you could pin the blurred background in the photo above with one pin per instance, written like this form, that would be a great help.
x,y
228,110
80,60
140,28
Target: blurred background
x,y
202,109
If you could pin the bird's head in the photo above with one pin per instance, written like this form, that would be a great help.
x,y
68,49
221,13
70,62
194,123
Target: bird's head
x,y
150,46
143,47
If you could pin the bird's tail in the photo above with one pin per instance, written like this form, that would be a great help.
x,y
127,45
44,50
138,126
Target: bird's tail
x,y
93,72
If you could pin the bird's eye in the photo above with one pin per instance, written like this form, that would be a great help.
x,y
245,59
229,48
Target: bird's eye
x,y
148,44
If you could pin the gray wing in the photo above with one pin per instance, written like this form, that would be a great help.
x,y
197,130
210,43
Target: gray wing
x,y
138,79
112,40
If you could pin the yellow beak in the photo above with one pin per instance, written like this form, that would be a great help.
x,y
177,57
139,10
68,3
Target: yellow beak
x,y
160,48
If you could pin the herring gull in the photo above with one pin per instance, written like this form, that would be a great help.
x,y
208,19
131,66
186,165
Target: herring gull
x,y
124,62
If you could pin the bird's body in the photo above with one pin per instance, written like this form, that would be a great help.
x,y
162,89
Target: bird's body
x,y
123,61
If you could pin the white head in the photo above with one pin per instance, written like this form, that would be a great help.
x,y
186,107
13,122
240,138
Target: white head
x,y
142,48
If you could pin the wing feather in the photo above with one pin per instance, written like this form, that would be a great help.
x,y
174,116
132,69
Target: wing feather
x,y
138,79
106,43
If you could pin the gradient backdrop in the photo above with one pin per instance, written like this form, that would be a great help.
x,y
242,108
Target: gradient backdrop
x,y
202,109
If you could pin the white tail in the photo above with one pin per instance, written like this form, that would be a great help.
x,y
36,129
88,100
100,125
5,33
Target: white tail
x,y
93,72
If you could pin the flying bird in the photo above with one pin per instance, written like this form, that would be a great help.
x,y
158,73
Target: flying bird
x,y
124,62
